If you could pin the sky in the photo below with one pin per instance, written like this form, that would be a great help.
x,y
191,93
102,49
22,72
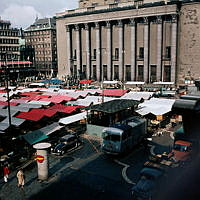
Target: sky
x,y
22,13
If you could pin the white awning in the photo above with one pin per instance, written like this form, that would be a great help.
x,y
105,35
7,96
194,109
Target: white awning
x,y
163,83
14,121
134,83
47,130
73,118
111,82
44,103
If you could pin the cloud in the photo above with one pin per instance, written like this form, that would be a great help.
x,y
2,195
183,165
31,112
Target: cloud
x,y
22,13
20,16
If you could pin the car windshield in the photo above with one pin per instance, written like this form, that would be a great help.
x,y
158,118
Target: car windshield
x,y
107,136
179,147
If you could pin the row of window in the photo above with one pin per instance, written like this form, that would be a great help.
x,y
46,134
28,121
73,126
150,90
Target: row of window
x,y
44,52
47,32
4,26
46,45
13,49
42,59
9,33
167,54
9,57
9,41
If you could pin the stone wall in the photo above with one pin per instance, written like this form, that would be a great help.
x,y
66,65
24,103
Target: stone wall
x,y
189,42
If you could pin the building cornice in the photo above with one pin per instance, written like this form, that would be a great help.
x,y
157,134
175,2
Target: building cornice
x,y
115,9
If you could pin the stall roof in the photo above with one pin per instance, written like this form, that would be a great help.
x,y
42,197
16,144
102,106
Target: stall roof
x,y
114,106
156,106
46,112
18,109
30,116
3,126
113,92
111,82
4,112
93,91
37,84
14,121
63,108
163,83
85,81
57,99
134,83
6,103
26,105
19,101
73,118
30,93
154,110
44,103
47,130
90,100
2,106
34,137
137,95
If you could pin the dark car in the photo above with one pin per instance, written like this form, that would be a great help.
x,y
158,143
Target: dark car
x,y
149,181
66,143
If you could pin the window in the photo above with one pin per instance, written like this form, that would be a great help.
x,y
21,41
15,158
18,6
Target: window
x,y
105,72
94,72
116,53
140,73
74,56
168,52
116,72
167,73
128,73
141,52
153,73
95,53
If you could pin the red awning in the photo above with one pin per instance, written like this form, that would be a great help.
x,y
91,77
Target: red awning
x,y
46,112
30,93
85,81
64,108
113,92
30,116
57,99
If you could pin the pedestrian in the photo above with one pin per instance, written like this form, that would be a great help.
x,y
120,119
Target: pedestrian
x,y
6,171
20,177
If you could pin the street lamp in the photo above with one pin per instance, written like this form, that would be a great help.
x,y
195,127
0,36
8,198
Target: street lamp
x,y
6,86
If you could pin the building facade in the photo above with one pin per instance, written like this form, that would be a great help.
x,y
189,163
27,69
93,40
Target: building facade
x,y
130,40
41,36
9,41
10,54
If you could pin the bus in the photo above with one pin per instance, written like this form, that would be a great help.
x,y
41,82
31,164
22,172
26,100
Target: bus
x,y
123,136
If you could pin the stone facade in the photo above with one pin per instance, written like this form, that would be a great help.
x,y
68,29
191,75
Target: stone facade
x,y
148,42
189,42
42,37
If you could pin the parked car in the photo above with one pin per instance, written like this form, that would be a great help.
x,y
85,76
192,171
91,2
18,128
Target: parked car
x,y
148,184
181,151
65,143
